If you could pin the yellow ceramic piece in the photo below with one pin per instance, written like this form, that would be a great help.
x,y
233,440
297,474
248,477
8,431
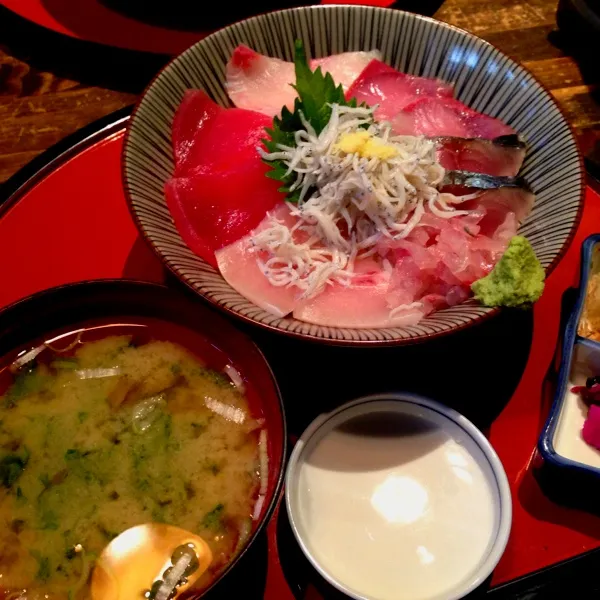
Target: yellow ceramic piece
x,y
131,563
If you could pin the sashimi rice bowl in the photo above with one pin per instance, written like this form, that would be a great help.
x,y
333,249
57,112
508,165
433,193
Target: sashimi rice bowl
x,y
385,190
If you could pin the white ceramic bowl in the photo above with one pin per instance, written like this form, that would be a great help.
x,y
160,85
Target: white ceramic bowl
x,y
395,497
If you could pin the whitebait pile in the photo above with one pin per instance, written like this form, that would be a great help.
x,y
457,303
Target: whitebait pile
x,y
358,185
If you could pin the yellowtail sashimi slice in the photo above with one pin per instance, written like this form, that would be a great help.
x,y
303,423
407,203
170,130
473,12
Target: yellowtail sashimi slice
x,y
362,304
262,83
239,266
346,67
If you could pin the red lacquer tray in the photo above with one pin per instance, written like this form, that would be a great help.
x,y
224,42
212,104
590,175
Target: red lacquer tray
x,y
64,218
101,22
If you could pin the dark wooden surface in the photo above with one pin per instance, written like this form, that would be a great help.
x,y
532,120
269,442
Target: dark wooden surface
x,y
49,89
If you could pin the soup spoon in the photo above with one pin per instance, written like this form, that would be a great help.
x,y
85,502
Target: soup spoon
x,y
154,561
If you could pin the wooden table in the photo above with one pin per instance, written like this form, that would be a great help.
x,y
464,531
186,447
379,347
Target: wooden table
x,y
39,106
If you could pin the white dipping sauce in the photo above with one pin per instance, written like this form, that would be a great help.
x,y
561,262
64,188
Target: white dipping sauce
x,y
394,507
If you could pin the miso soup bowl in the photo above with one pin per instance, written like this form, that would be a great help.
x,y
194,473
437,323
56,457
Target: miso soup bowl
x,y
485,79
68,307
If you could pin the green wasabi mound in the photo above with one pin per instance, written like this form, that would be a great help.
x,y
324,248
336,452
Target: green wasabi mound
x,y
516,280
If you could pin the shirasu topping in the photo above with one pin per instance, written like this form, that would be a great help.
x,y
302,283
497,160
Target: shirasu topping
x,y
358,185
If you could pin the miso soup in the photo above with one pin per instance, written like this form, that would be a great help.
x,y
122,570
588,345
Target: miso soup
x,y
109,428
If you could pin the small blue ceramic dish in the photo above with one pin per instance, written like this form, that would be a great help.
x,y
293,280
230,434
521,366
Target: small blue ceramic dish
x,y
569,464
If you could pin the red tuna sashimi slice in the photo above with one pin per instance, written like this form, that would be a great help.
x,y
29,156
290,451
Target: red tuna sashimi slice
x,y
230,138
391,90
362,304
499,157
238,265
446,117
226,194
208,135
213,208
180,202
195,112
264,84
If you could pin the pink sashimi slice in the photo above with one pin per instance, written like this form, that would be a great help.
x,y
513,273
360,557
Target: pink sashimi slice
x,y
258,82
195,113
239,267
346,67
434,288
379,84
438,116
213,208
591,427
492,157
355,306
440,259
430,117
437,286
464,261
264,84
420,106
496,204
434,266
362,304
220,191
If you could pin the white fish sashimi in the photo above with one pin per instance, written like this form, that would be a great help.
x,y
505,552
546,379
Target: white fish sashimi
x,y
262,83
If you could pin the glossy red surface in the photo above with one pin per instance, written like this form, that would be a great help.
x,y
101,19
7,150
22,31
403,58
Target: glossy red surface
x,y
543,533
74,225
92,21
92,235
